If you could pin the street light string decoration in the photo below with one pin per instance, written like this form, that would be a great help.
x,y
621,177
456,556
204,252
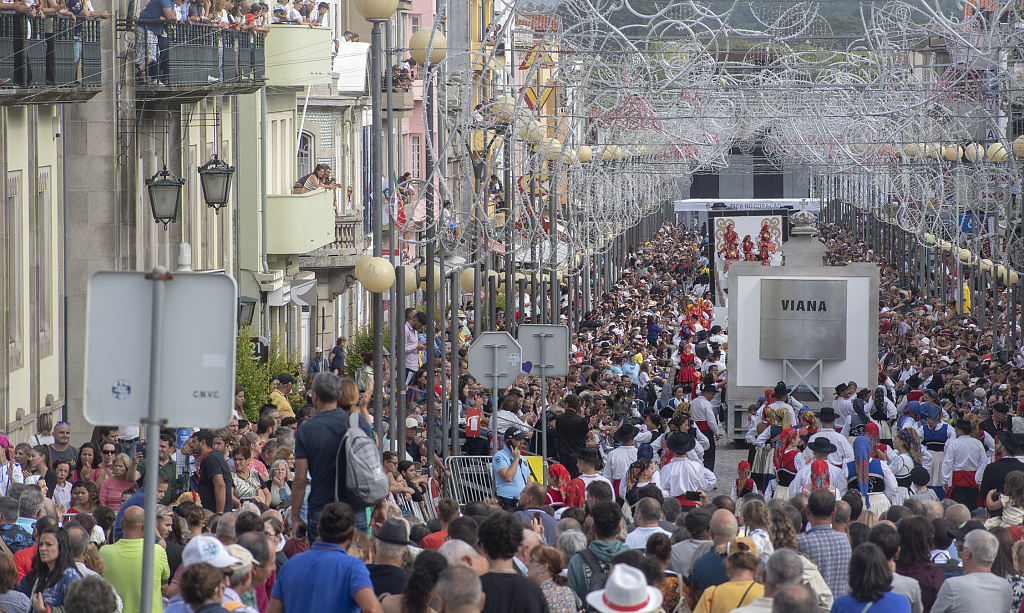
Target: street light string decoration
x,y
600,111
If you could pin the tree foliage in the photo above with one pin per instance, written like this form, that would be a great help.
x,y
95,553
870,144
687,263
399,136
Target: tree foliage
x,y
253,376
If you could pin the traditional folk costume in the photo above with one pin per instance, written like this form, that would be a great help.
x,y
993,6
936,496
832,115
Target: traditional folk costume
x,y
902,463
963,456
871,477
934,435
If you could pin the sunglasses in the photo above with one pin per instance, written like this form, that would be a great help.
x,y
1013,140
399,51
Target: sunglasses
x,y
105,452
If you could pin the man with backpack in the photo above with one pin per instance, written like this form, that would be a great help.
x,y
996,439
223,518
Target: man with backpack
x,y
317,443
588,569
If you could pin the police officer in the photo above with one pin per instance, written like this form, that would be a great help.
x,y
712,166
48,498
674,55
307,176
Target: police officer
x,y
510,469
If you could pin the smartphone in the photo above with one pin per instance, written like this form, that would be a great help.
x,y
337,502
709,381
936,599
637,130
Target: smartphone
x,y
694,496
536,515
300,532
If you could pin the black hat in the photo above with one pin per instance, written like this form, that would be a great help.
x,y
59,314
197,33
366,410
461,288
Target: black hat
x,y
827,414
919,476
914,381
680,443
394,531
841,388
667,413
590,456
1011,441
864,393
285,378
709,387
697,520
1000,407
822,445
972,358
626,433
514,433
715,329
781,389
964,425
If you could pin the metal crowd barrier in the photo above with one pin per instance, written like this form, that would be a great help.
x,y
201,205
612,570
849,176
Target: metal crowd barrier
x,y
38,52
473,477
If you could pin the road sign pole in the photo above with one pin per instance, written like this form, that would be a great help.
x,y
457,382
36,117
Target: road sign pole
x,y
152,424
543,415
494,392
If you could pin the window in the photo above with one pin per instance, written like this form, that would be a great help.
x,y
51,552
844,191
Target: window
x,y
415,24
415,157
44,258
15,278
305,155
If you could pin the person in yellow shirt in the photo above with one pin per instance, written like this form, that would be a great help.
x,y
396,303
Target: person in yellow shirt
x,y
741,566
279,395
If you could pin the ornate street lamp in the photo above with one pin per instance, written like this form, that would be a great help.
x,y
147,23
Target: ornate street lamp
x,y
246,310
215,177
165,196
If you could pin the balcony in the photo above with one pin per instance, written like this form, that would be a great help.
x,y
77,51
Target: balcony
x,y
38,67
402,102
334,265
302,56
300,223
203,60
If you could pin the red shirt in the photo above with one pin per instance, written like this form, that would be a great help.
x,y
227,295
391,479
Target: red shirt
x,y
23,561
434,541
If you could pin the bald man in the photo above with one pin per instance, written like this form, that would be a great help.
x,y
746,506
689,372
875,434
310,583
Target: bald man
x,y
709,569
124,564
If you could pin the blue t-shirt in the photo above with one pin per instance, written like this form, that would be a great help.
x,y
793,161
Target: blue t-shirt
x,y
708,570
325,578
317,442
888,603
509,489
155,10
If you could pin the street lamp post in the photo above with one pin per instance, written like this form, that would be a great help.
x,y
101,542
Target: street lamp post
x,y
429,46
377,12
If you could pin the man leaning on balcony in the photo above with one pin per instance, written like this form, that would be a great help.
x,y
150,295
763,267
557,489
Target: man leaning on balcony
x,y
153,66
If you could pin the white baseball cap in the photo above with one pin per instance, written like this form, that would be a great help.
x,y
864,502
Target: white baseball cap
x,y
319,350
207,549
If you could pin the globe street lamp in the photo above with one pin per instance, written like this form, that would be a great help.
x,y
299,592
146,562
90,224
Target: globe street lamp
x,y
377,12
428,46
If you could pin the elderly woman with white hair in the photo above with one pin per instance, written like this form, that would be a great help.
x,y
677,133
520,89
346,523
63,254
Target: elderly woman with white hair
x,y
277,490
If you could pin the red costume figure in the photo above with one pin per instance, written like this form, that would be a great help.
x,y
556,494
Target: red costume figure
x,y
748,249
688,366
766,247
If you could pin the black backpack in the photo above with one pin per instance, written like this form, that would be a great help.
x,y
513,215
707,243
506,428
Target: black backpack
x,y
598,573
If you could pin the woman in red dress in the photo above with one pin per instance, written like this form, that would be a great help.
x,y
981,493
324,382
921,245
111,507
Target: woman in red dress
x,y
688,366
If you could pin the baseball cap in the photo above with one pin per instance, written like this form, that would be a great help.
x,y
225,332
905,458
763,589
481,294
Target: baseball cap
x,y
514,433
742,544
319,350
411,423
245,558
285,378
207,549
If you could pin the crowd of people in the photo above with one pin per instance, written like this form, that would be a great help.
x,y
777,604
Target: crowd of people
x,y
904,496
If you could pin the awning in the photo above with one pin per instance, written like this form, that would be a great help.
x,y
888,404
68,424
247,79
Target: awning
x,y
350,67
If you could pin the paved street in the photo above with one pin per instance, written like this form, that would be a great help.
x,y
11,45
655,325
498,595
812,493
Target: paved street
x,y
725,466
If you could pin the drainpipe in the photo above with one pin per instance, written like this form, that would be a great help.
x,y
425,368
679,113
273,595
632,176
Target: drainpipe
x,y
263,204
64,256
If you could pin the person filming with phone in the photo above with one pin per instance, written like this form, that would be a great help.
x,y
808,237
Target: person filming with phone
x,y
510,470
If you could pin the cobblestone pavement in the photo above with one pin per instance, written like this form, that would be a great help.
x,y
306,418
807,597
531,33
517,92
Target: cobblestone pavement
x,y
727,457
